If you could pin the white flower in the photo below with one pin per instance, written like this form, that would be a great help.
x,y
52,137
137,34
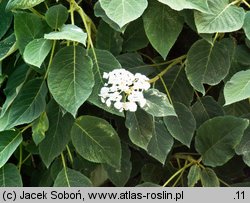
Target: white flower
x,y
124,89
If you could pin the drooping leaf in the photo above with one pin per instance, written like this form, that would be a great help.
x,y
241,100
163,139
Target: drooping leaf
x,y
217,138
103,61
39,127
108,39
193,175
27,27
68,32
206,108
71,68
36,51
161,142
209,178
10,176
120,177
178,5
22,4
182,125
140,126
207,64
157,104
162,26
9,141
58,134
96,140
7,46
123,11
56,16
238,88
27,106
71,178
135,37
6,19
224,17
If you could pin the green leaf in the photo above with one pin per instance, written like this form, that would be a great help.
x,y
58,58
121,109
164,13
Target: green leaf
x,y
103,61
27,27
36,51
238,88
207,64
246,25
178,5
244,146
206,108
178,85
9,141
182,126
161,142
162,26
96,140
10,176
151,173
68,32
14,85
22,4
27,106
217,138
71,178
157,104
56,16
120,177
6,19
99,12
108,39
7,46
140,126
39,127
224,17
135,37
238,108
209,178
71,68
123,11
58,134
193,175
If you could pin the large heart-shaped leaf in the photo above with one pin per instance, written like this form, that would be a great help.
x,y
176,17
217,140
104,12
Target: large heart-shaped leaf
x,y
96,140
207,64
71,68
123,11
162,26
217,138
238,88
224,17
36,51
183,125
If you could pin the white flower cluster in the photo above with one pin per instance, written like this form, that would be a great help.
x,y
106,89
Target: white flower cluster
x,y
125,89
